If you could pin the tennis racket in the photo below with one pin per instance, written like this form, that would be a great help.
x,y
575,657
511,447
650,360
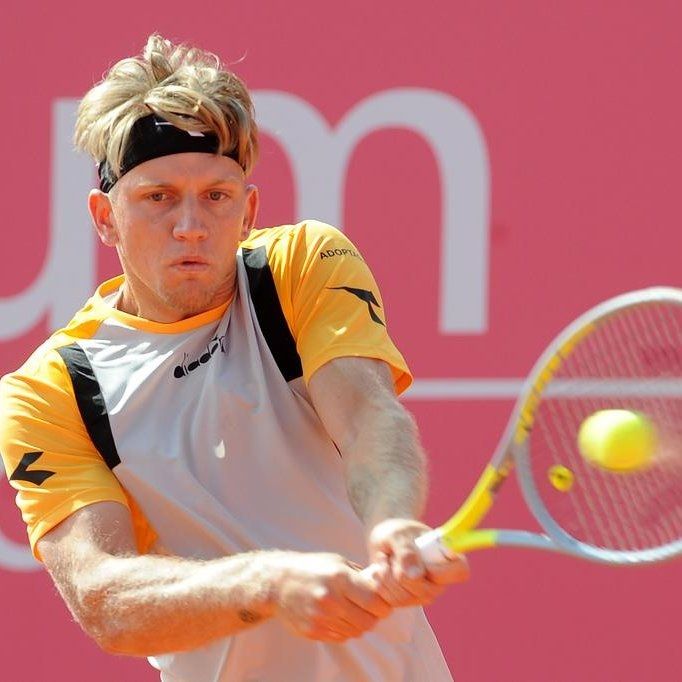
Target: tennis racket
x,y
625,353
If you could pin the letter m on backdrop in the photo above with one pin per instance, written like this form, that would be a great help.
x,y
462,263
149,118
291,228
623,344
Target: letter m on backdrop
x,y
319,157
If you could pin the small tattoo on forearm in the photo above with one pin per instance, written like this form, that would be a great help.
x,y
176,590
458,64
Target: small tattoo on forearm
x,y
248,616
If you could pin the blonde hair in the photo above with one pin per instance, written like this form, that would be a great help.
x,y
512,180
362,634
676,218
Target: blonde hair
x,y
184,85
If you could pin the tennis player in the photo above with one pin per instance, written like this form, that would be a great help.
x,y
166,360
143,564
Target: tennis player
x,y
212,447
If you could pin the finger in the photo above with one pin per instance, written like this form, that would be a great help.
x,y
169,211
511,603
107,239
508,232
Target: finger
x,y
393,592
430,592
337,634
417,591
332,637
387,585
334,623
341,628
454,571
353,564
376,572
326,635
346,619
364,592
355,619
407,564
378,576
379,558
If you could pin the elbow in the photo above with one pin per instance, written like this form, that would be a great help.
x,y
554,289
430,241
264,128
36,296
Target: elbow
x,y
114,640
122,631
110,645
98,614
90,613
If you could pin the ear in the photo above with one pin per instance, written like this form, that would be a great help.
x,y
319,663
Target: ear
x,y
251,210
99,205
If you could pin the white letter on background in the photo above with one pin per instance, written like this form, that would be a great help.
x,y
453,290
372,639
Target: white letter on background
x,y
319,158
68,273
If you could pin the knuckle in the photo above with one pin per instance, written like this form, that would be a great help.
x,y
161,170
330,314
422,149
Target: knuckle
x,y
317,619
407,584
380,608
337,576
339,638
322,595
310,632
432,593
403,569
370,622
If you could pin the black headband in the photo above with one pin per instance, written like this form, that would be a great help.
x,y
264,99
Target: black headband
x,y
151,137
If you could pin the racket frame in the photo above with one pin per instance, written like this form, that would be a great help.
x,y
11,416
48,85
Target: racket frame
x,y
459,534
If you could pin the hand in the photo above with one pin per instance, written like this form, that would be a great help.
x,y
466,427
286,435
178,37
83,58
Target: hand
x,y
398,571
324,597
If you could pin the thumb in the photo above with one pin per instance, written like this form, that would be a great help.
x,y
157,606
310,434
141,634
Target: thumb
x,y
408,563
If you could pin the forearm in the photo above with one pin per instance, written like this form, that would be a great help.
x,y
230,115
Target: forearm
x,y
385,465
144,605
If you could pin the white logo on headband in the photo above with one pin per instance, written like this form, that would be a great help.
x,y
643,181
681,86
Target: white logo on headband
x,y
193,133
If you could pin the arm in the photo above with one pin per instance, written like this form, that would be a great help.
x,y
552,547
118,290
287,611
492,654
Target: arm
x,y
79,522
385,472
148,604
385,465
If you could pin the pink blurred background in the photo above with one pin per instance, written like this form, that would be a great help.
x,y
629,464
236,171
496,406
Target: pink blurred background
x,y
502,166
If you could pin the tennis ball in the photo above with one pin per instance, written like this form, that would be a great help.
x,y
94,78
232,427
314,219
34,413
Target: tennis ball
x,y
561,477
617,440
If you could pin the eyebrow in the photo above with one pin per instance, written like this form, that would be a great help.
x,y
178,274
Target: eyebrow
x,y
151,182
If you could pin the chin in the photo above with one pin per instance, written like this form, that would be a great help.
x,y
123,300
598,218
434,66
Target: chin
x,y
190,301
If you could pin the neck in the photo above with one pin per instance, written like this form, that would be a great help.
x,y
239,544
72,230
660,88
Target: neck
x,y
154,310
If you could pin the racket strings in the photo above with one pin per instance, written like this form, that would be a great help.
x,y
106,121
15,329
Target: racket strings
x,y
638,492
658,355
631,360
601,500
669,422
670,431
557,439
661,505
603,528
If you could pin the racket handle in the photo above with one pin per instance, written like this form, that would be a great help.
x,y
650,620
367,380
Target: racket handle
x,y
432,548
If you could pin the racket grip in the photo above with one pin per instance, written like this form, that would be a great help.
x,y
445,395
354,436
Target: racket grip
x,y
432,549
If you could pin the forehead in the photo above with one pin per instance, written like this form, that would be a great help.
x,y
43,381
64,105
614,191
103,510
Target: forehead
x,y
184,169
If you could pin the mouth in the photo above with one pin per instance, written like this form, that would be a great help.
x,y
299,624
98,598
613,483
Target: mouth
x,y
190,264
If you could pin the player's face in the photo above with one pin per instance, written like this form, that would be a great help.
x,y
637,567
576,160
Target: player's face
x,y
176,222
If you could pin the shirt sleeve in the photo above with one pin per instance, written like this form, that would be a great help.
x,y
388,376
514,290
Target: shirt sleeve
x,y
48,456
331,301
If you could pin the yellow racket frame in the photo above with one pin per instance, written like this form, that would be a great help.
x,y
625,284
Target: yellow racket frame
x,y
459,533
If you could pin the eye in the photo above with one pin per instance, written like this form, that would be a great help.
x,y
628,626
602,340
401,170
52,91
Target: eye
x,y
217,195
157,196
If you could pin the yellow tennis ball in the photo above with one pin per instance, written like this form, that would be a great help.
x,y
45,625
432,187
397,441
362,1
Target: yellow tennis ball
x,y
561,477
618,440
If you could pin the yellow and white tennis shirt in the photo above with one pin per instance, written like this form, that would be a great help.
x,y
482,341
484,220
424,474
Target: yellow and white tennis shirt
x,y
205,431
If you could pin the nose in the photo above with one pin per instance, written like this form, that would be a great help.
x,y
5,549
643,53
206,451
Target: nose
x,y
189,224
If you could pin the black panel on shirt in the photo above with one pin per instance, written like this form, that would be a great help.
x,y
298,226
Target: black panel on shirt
x,y
90,402
269,312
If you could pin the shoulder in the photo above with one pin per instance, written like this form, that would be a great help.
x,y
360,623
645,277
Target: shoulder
x,y
306,235
39,389
303,247
44,374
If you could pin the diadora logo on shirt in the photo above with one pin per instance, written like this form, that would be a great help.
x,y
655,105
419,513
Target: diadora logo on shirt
x,y
217,343
366,296
35,476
